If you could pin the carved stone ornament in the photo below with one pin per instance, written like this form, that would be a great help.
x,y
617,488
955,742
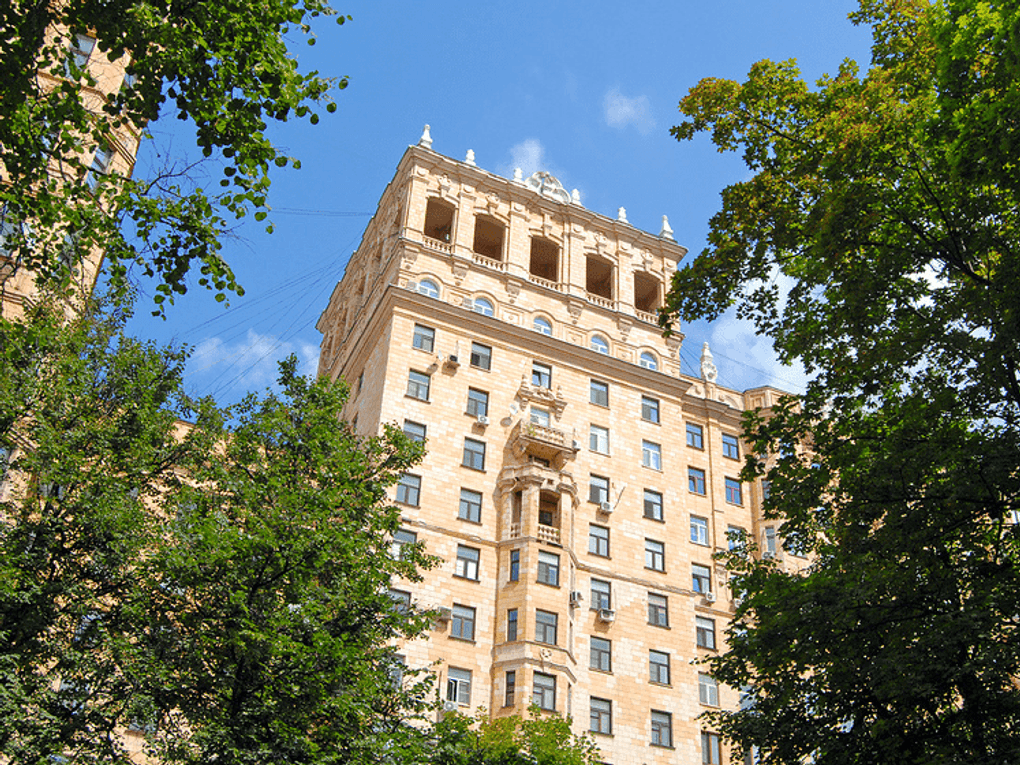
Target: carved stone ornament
x,y
407,257
444,183
459,272
492,200
708,371
547,185
513,289
426,138
574,308
624,324
543,397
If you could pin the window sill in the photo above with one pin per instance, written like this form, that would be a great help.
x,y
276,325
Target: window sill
x,y
660,685
656,570
469,520
651,518
662,746
660,626
415,398
651,467
476,469
461,639
466,578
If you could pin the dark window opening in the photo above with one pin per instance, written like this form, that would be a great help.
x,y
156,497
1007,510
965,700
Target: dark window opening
x,y
646,292
545,257
599,277
439,220
489,237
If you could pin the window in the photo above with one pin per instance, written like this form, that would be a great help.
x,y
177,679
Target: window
x,y
599,344
511,625
418,385
599,393
598,439
424,338
710,752
100,165
655,555
730,446
653,505
601,655
699,530
541,375
646,292
510,688
545,627
658,610
662,728
651,455
701,578
429,288
600,595
544,693
648,361
474,454
463,625
696,481
477,403
658,667
409,489
81,50
414,430
401,600
598,489
598,540
401,537
515,565
467,562
708,690
438,220
481,356
734,537
601,716
545,256
489,237
540,417
599,276
705,631
458,685
650,409
542,325
733,493
470,506
483,306
695,436
771,547
549,568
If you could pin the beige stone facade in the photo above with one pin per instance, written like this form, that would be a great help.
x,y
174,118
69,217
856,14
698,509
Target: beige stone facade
x,y
577,484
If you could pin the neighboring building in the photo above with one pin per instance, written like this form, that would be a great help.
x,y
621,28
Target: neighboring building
x,y
577,484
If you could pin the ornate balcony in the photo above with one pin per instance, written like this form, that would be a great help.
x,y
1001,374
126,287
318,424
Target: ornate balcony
x,y
528,439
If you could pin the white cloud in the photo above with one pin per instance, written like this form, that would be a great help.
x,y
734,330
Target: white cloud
x,y
747,360
228,369
621,111
529,155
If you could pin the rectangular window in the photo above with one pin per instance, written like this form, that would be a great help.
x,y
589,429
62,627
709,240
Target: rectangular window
x,y
515,565
711,754
458,685
696,481
601,594
601,716
651,455
701,578
734,537
511,625
481,356
598,540
100,165
470,506
658,610
653,505
730,446
409,489
598,489
544,692
598,439
695,436
708,690
81,50
771,546
509,688
733,493
541,375
662,728
467,562
402,600
650,409
401,537
699,530
424,338
658,667
705,631
418,385
414,430
477,403
474,454
601,655
463,624
599,393
549,568
545,627
540,417
655,555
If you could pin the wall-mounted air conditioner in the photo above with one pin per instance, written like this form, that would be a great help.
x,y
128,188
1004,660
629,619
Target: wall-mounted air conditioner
x,y
607,615
605,507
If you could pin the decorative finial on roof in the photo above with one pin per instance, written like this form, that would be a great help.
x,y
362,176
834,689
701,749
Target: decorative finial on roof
x,y
575,197
549,186
518,175
667,232
621,215
470,158
708,370
426,138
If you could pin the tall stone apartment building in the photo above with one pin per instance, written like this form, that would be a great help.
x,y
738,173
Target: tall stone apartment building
x,y
577,483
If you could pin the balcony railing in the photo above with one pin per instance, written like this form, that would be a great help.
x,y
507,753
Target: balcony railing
x,y
650,318
601,301
435,244
487,262
548,534
545,283
542,441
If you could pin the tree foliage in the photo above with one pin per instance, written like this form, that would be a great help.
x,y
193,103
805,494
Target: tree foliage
x,y
222,588
223,66
539,739
877,243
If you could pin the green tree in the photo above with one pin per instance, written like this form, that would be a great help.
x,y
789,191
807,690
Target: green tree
x,y
224,66
539,739
876,242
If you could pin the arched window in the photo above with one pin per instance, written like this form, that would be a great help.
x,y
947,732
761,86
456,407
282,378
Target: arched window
x,y
428,287
648,361
542,325
484,307
599,344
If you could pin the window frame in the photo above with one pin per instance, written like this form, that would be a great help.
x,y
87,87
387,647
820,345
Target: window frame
x,y
648,361
600,654
699,530
423,336
598,439
509,687
544,696
598,493
548,568
541,375
428,288
409,490
651,455
695,433
462,622
600,718
415,386
708,690
459,686
515,565
701,578
483,305
481,356
655,555
474,454
512,625
662,728
477,403
730,446
468,562
470,508
598,390
657,670
547,623
600,593
704,631
542,325
658,613
598,538
711,751
697,482
411,431
650,409
653,500
599,344
734,492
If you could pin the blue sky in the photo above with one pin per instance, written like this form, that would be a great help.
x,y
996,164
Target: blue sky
x,y
587,91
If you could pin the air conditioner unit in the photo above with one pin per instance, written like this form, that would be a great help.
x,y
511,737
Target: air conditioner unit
x,y
444,614
483,420
452,360
710,597
449,706
606,615
575,597
577,445
605,507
